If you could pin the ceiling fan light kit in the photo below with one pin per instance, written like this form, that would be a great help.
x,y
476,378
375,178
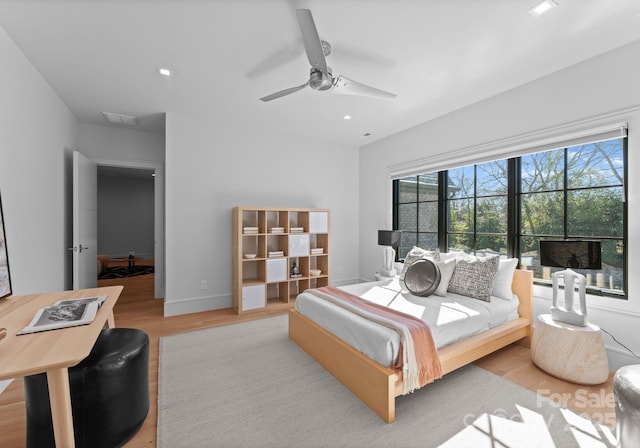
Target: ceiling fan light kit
x,y
320,81
321,76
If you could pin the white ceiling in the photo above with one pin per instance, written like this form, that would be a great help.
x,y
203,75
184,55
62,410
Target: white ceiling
x,y
437,55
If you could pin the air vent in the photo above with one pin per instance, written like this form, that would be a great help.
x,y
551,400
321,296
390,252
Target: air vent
x,y
127,120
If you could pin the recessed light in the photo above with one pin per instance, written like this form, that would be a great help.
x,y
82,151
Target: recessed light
x,y
164,71
366,134
347,117
542,7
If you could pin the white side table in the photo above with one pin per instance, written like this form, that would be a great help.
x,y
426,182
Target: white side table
x,y
569,352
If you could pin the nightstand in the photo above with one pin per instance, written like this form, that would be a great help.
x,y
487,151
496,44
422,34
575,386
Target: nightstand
x,y
569,352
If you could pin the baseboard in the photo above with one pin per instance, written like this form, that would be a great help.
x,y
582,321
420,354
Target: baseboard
x,y
348,281
196,305
619,357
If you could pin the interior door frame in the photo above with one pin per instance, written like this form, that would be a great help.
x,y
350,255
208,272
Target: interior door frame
x,y
85,223
158,198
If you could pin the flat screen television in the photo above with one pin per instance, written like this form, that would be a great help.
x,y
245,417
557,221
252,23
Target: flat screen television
x,y
574,254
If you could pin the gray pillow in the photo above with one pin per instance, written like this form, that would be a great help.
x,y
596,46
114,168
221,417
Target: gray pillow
x,y
474,278
422,277
417,253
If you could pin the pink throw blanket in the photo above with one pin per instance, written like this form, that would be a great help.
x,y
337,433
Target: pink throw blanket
x,y
418,357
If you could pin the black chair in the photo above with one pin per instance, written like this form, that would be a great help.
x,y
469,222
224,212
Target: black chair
x,y
109,393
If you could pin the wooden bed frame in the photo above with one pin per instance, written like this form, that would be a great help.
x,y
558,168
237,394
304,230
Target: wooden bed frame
x,y
377,385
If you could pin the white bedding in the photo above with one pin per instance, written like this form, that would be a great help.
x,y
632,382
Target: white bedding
x,y
450,318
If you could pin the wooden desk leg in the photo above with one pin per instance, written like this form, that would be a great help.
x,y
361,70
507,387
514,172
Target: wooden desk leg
x,y
111,321
60,397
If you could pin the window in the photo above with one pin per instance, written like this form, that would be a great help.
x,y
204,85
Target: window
x,y
416,211
576,193
476,204
507,206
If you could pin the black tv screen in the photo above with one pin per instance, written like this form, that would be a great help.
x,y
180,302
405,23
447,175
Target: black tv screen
x,y
574,254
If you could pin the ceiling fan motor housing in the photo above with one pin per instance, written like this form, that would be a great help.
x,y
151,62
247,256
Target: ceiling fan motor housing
x,y
318,81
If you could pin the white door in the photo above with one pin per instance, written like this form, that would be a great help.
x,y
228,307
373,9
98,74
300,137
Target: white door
x,y
85,222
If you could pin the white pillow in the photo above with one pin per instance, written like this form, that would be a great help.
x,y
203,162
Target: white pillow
x,y
451,255
503,279
446,271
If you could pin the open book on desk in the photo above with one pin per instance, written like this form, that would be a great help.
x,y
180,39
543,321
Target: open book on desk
x,y
64,314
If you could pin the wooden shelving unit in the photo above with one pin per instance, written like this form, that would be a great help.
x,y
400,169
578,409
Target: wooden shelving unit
x,y
278,237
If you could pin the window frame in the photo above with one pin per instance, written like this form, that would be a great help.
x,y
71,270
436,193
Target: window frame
x,y
514,208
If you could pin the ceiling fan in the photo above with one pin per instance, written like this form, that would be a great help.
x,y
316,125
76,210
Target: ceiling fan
x,y
321,76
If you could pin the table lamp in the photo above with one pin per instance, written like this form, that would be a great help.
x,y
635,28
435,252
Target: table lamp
x,y
390,239
570,254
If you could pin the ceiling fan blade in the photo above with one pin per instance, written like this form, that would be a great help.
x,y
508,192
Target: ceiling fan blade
x,y
284,92
346,86
311,41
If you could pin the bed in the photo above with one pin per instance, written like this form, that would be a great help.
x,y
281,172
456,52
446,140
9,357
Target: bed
x,y
376,384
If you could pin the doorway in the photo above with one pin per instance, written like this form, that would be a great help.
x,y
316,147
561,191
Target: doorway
x,y
130,226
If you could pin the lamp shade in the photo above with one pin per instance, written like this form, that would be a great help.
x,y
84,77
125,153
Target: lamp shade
x,y
575,254
389,237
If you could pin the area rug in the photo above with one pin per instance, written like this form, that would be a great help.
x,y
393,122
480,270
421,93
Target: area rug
x,y
124,271
248,385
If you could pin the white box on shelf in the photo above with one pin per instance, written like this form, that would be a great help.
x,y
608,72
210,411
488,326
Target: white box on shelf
x,y
299,245
253,297
277,270
318,222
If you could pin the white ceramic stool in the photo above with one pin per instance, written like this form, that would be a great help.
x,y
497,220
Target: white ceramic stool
x,y
569,352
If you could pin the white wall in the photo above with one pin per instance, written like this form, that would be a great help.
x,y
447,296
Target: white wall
x,y
105,142
599,91
37,132
212,167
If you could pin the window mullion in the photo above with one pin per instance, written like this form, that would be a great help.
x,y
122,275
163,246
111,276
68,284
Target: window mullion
x,y
475,209
443,216
396,203
513,207
565,190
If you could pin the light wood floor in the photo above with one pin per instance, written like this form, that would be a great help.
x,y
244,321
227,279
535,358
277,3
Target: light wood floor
x,y
137,308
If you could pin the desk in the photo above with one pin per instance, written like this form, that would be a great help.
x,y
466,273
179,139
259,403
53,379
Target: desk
x,y
569,352
51,351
